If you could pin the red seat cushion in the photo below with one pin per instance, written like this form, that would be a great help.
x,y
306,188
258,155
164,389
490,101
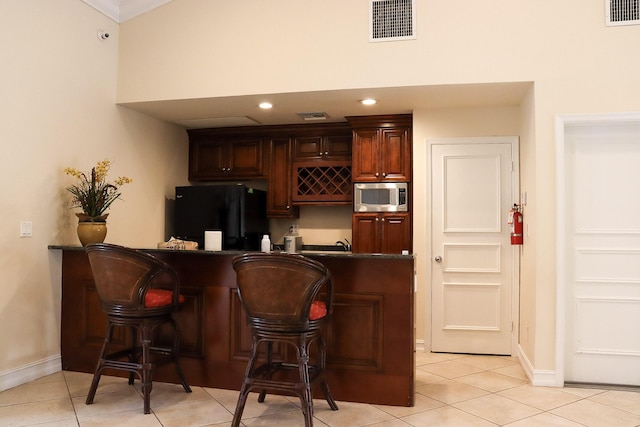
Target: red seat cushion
x,y
159,298
318,310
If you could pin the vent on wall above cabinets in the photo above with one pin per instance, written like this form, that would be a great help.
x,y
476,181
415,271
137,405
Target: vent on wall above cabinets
x,y
392,20
622,12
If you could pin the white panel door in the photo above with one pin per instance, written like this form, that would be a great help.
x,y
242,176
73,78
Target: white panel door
x,y
473,269
602,269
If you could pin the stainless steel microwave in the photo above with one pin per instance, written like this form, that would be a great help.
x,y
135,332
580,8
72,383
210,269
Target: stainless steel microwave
x,y
380,197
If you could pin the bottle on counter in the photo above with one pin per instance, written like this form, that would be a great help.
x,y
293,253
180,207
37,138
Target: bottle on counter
x,y
265,245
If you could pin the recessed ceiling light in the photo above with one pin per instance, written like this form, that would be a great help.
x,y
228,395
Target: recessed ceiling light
x,y
368,101
265,105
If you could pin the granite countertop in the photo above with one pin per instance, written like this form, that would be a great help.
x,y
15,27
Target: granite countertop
x,y
310,250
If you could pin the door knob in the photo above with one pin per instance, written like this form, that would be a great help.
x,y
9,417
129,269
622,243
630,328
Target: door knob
x,y
438,258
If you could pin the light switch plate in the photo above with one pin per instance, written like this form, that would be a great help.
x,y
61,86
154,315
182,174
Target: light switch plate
x,y
26,229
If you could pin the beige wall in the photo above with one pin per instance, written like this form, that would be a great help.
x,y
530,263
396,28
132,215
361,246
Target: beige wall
x,y
61,92
444,123
577,65
58,85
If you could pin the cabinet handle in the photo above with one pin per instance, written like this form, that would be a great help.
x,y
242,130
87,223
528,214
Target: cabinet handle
x,y
377,219
326,153
288,207
384,174
320,153
382,219
376,173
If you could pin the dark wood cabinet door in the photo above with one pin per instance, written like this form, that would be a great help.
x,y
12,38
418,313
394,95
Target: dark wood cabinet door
x,y
222,158
395,155
338,147
386,233
245,158
308,147
207,159
366,155
279,182
365,233
395,233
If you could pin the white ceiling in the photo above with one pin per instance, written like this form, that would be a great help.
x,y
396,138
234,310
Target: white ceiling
x,y
337,104
123,10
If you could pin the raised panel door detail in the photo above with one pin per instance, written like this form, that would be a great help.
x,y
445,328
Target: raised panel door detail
x,y
602,267
355,340
207,159
366,233
396,233
381,233
328,147
395,155
245,158
190,318
459,297
216,159
338,146
279,184
474,265
366,155
309,147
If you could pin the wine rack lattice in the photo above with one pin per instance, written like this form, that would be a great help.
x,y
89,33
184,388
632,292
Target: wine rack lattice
x,y
322,182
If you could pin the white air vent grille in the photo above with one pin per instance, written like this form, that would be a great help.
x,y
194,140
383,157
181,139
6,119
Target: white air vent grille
x,y
391,20
313,116
622,12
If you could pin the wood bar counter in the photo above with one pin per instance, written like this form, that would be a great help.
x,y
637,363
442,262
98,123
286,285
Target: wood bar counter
x,y
370,342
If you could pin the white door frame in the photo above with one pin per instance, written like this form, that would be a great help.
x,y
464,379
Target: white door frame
x,y
515,177
562,121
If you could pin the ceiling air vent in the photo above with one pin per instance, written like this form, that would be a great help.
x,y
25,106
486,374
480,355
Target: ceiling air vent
x,y
622,12
313,116
391,20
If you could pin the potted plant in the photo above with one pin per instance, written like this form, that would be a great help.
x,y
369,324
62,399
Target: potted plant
x,y
94,195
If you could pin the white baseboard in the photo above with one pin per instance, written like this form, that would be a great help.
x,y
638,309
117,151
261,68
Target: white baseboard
x,y
23,374
538,377
420,345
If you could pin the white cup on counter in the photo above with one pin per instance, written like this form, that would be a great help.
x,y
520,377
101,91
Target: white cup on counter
x,y
213,240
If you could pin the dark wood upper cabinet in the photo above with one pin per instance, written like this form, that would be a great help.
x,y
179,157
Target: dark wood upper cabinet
x,y
327,147
322,165
381,148
279,204
217,156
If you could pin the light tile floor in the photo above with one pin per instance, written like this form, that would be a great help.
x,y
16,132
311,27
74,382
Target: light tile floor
x,y
451,390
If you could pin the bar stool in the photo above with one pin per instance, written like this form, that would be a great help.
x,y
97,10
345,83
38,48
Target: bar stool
x,y
287,299
139,292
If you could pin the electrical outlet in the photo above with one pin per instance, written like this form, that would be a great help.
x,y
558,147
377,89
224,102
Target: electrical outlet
x,y
26,229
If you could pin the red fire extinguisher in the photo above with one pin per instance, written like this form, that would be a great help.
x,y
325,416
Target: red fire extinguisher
x,y
515,219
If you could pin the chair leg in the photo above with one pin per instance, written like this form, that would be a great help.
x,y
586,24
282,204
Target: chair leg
x,y
322,356
269,366
100,364
306,397
176,354
145,340
244,389
133,355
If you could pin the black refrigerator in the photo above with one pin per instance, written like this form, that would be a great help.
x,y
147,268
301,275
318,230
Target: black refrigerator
x,y
240,212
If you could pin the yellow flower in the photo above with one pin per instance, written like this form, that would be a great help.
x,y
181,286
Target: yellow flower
x,y
93,193
73,172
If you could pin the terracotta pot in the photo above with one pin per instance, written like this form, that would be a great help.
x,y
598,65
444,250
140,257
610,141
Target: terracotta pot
x,y
92,232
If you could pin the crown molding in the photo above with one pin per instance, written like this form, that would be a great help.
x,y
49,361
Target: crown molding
x,y
123,10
